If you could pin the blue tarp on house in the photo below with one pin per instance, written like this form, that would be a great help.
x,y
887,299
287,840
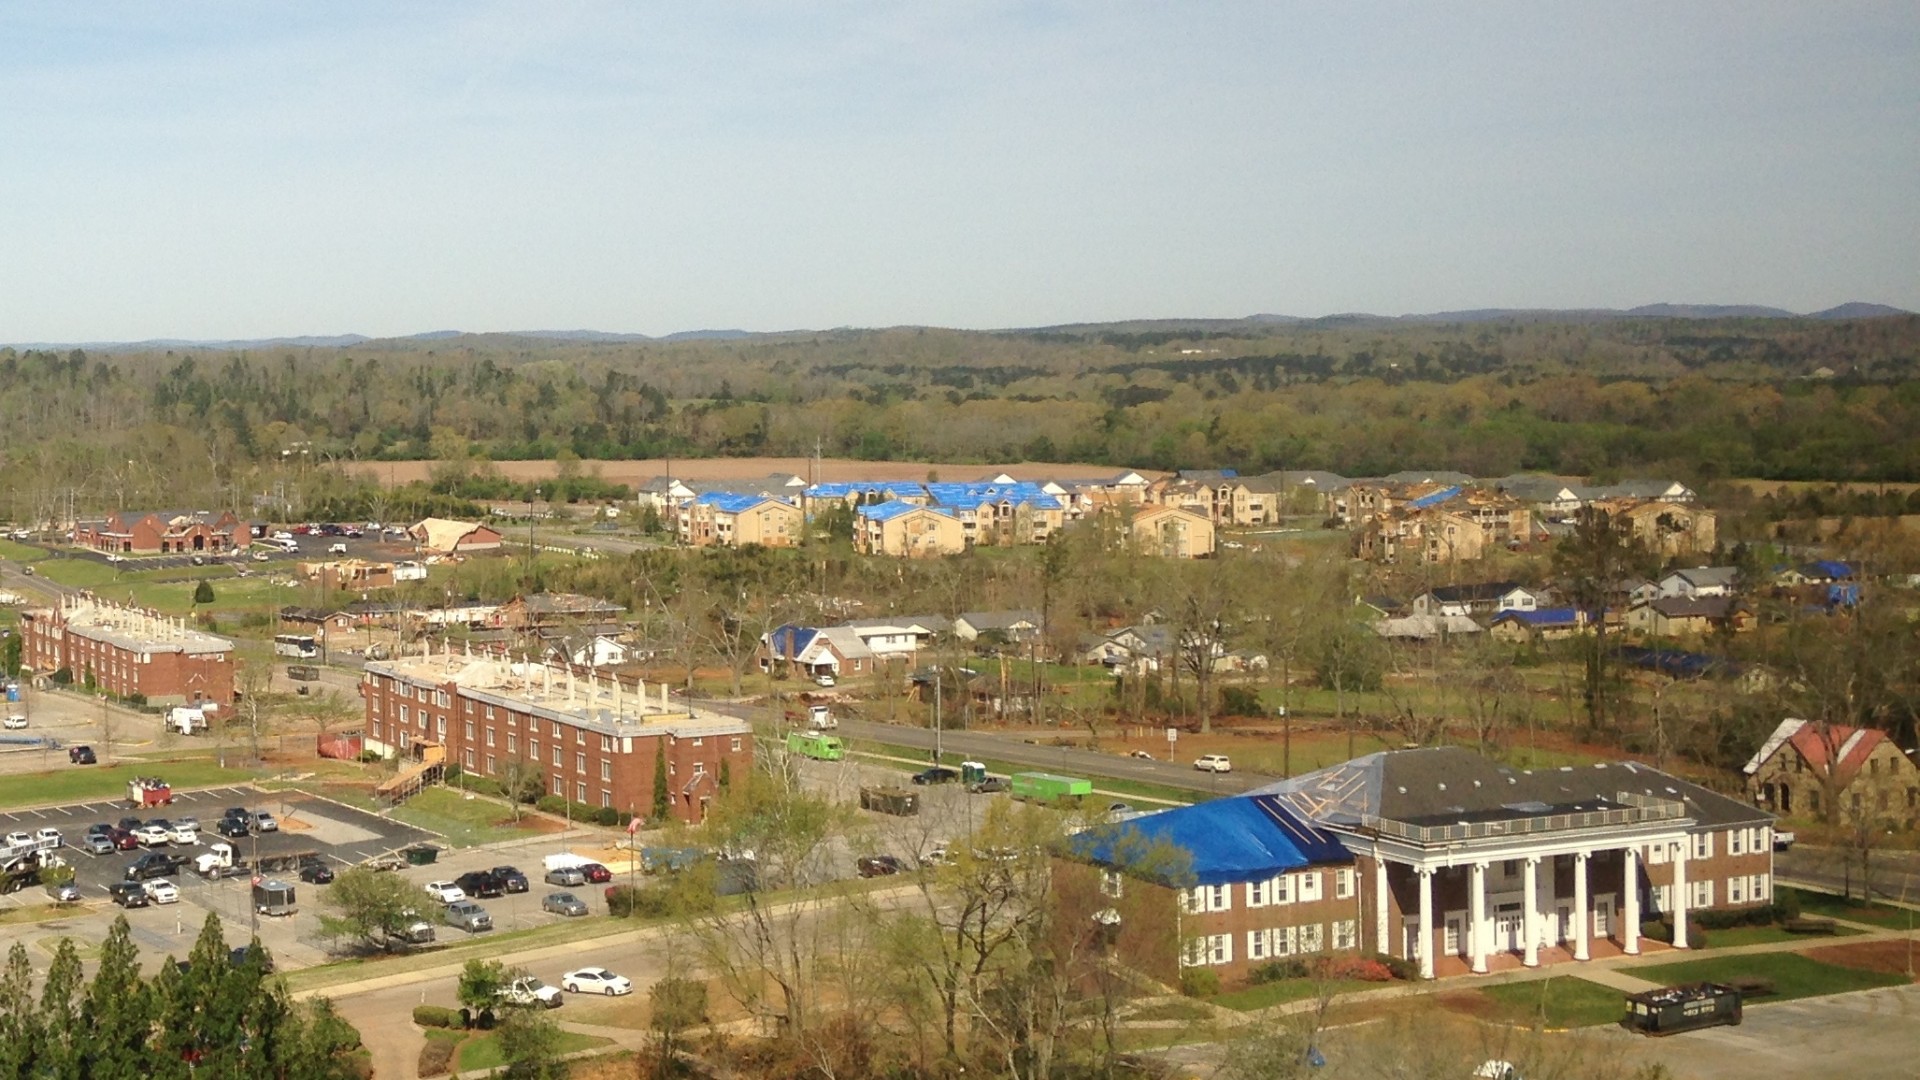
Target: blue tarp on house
x,y
1244,838
1434,498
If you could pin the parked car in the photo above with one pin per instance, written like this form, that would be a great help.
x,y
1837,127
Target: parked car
x,y
596,980
14,722
563,903
336,549
128,894
990,785
81,755
566,875
468,916
315,873
937,855
939,774
417,932
265,822
234,828
479,883
528,991
50,834
99,843
871,866
823,679
131,823
162,891
153,835
185,832
64,893
446,892
596,873
1214,763
123,840
1782,839
510,879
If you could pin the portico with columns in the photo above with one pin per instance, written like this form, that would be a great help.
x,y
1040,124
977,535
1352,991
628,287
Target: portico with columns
x,y
1470,866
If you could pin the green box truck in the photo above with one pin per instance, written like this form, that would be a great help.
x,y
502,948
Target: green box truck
x,y
1047,787
815,745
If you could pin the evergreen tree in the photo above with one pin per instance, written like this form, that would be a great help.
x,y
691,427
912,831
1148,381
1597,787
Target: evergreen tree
x,y
60,1013
203,592
22,1027
117,1014
662,797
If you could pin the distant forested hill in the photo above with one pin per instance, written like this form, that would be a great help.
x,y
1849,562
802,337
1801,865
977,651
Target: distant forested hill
x,y
1802,398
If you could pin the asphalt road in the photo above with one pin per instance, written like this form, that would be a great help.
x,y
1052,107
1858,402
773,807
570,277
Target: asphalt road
x,y
1012,748
1894,875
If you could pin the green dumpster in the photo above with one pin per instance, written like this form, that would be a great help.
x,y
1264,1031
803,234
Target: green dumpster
x,y
421,856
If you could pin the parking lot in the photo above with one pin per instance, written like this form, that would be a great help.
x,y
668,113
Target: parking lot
x,y
337,834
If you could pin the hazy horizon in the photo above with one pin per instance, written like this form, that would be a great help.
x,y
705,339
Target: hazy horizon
x,y
203,172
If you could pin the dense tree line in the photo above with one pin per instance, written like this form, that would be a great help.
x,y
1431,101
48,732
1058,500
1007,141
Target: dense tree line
x,y
208,1016
1785,399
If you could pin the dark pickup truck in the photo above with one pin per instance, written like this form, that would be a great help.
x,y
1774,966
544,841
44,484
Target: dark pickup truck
x,y
154,864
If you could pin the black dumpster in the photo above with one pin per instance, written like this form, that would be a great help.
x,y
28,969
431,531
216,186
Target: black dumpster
x,y
1682,1008
422,855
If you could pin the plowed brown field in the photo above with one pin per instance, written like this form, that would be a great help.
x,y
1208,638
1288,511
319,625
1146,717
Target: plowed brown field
x,y
637,472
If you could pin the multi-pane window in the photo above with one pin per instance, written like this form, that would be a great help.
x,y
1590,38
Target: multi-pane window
x,y
1220,949
1257,944
1284,940
1657,854
1283,889
1309,886
1346,934
736,744
513,743
1736,890
489,736
1703,845
1312,937
469,731
580,792
1257,894
556,755
1219,898
579,763
1736,841
1702,894
1343,880
1112,884
490,765
606,770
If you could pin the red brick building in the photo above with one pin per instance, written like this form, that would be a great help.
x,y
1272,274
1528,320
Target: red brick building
x,y
592,740
1437,856
164,532
128,651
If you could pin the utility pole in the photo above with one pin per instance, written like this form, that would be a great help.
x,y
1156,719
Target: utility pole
x,y
938,676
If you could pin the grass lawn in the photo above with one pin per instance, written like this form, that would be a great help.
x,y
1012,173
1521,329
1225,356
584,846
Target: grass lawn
x,y
1007,768
1279,993
464,822
85,783
1793,975
1172,1010
483,1051
1561,1002
1827,905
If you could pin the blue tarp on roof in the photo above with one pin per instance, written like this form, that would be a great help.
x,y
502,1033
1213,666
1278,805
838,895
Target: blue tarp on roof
x,y
1677,663
790,641
1554,616
891,509
1243,838
731,503
1434,499
1827,568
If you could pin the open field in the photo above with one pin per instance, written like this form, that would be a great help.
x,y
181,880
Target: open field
x,y
639,471
1792,974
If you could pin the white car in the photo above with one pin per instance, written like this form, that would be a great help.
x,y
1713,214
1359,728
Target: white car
x,y
162,891
1214,763
260,556
336,549
596,980
17,839
446,892
44,835
153,835
528,990
823,679
185,832
14,723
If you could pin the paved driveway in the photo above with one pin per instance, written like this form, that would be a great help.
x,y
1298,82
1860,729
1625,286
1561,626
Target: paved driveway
x,y
1866,1035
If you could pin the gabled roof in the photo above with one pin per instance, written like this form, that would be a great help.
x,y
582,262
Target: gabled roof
x,y
731,503
1312,478
1700,607
443,534
999,620
1849,746
1426,627
1708,577
1467,594
1827,569
1416,476
887,511
1243,838
925,624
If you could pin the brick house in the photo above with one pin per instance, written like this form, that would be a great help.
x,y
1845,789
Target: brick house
x,y
1803,763
592,740
127,651
1448,860
1678,616
832,650
164,532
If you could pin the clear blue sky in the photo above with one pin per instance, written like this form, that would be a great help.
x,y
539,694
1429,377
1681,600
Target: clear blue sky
x,y
239,170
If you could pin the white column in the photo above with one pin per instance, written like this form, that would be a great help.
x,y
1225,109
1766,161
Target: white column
x,y
1426,923
1477,913
1582,917
1630,900
1530,913
1382,936
1680,893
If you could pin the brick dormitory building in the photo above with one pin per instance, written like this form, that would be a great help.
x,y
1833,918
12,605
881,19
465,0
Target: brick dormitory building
x,y
1437,856
591,739
127,651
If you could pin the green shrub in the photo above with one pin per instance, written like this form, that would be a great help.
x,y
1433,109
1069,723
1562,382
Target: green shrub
x,y
1403,969
1787,903
436,1058
63,676
369,757
435,1016
1278,970
606,815
1199,982
1241,701
550,804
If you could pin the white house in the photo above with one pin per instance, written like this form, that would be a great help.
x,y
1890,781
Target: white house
x,y
1699,583
899,635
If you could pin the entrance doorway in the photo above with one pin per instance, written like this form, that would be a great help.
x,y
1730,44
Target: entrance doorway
x,y
1509,929
1456,936
1603,916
